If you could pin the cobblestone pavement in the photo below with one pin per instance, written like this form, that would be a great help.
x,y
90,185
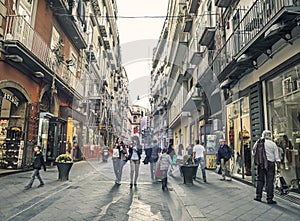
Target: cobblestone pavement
x,y
91,194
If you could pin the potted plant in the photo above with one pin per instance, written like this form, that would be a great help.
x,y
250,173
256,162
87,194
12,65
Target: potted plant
x,y
188,170
58,52
64,165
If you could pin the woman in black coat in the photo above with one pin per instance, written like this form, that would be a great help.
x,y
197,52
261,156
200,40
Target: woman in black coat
x,y
135,152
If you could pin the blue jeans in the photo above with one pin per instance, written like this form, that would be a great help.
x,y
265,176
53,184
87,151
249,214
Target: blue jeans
x,y
201,161
118,165
36,173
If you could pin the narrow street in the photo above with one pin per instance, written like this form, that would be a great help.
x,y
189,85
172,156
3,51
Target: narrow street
x,y
91,194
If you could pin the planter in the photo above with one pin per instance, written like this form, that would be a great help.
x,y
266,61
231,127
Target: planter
x,y
189,172
64,170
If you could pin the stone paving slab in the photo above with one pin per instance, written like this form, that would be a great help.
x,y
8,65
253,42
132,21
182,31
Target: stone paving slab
x,y
92,195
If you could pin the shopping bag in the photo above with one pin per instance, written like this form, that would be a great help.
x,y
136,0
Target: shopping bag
x,y
284,188
174,159
116,153
281,185
158,171
219,169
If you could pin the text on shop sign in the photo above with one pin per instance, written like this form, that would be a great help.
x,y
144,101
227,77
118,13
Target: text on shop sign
x,y
11,98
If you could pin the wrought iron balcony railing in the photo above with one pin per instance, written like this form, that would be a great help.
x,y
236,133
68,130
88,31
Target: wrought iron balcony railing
x,y
248,30
19,30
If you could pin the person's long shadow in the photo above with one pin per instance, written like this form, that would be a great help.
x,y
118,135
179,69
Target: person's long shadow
x,y
115,205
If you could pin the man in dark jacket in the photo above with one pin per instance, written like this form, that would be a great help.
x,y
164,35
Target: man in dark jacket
x,y
225,153
266,156
38,162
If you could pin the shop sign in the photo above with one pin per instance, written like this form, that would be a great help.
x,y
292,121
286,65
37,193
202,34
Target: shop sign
x,y
12,99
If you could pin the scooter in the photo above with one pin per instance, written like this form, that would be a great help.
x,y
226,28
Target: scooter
x,y
105,155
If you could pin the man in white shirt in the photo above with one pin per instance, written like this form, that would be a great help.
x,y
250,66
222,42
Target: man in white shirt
x,y
266,171
199,158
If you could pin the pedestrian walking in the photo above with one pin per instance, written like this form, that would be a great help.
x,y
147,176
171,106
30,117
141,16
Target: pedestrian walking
x,y
164,162
198,157
119,158
180,154
38,162
135,152
225,153
155,153
171,151
265,153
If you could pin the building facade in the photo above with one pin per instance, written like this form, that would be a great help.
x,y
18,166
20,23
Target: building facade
x,y
57,73
233,72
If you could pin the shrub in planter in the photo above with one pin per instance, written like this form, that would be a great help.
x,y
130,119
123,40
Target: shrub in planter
x,y
64,165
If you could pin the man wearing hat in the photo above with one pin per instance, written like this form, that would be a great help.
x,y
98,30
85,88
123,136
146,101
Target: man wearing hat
x,y
265,153
224,155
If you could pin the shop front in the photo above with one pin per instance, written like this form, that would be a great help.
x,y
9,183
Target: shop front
x,y
283,108
13,123
238,137
51,129
76,133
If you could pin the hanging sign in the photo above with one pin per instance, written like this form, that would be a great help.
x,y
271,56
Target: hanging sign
x,y
12,99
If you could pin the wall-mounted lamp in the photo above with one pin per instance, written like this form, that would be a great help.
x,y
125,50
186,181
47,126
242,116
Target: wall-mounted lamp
x,y
39,74
255,65
14,58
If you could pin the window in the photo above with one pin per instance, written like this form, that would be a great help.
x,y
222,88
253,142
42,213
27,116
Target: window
x,y
134,119
25,9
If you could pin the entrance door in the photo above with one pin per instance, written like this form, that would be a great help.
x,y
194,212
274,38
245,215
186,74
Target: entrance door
x,y
56,139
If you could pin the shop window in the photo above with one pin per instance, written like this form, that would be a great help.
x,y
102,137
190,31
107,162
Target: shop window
x,y
283,104
12,122
238,134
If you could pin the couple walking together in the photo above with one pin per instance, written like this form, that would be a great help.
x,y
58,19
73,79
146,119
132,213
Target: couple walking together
x,y
123,153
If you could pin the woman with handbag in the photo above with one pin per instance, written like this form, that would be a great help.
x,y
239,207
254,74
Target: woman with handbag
x,y
135,152
119,158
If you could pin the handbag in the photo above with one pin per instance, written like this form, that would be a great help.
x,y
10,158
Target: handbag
x,y
158,171
116,153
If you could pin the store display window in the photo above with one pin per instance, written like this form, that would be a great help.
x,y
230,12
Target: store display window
x,y
12,122
283,104
238,136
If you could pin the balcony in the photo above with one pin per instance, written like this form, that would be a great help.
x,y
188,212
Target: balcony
x,y
195,52
206,28
91,53
193,6
21,39
73,26
266,23
188,71
223,3
193,99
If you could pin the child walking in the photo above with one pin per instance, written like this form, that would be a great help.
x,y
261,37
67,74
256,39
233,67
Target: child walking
x,y
164,163
38,162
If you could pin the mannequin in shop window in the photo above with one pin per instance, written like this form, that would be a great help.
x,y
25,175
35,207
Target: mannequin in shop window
x,y
287,147
247,151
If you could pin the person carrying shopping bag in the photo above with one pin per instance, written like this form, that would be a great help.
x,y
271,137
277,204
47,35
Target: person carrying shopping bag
x,y
164,162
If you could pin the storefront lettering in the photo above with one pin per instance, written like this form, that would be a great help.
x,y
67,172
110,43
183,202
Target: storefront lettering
x,y
12,99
